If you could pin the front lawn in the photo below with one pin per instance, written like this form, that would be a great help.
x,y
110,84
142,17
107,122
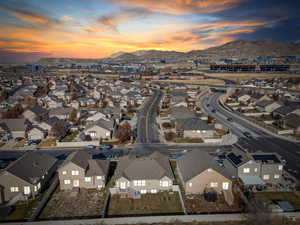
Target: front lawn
x,y
160,203
70,137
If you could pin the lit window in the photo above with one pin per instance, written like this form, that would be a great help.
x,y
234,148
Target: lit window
x,y
143,191
14,189
64,172
246,170
209,170
75,172
266,177
35,188
164,183
139,183
190,184
67,182
255,170
88,179
280,167
276,176
213,184
99,178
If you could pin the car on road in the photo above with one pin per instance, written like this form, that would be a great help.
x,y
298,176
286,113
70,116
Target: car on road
x,y
229,119
247,134
106,147
213,111
207,105
90,147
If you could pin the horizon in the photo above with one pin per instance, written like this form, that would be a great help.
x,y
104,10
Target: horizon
x,y
95,29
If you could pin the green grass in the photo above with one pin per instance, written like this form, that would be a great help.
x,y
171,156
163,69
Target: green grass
x,y
291,197
160,203
70,137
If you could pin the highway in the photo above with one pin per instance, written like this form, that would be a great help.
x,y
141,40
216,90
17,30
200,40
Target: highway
x,y
260,140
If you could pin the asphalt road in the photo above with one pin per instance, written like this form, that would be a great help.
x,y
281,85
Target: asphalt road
x,y
260,141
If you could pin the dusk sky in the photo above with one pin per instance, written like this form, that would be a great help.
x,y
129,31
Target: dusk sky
x,y
31,29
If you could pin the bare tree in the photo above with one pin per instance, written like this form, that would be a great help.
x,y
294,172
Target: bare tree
x,y
124,132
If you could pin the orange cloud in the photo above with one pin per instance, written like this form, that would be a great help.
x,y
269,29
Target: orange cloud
x,y
183,6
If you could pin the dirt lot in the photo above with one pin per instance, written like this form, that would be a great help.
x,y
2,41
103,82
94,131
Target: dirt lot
x,y
292,197
197,204
63,204
247,76
161,203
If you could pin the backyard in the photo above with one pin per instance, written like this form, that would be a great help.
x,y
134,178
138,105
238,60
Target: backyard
x,y
292,197
68,204
160,203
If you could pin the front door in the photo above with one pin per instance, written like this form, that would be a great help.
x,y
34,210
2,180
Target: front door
x,y
76,183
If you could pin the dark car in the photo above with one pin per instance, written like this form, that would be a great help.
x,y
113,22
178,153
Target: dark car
x,y
247,134
213,111
229,119
105,147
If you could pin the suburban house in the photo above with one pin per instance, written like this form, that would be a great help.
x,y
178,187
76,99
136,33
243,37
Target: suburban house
x,y
35,114
78,170
241,165
62,113
36,133
293,121
48,124
194,128
101,129
149,174
267,106
200,172
283,111
243,98
255,168
27,176
14,127
258,97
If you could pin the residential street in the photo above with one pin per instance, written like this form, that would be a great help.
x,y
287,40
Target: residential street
x,y
261,141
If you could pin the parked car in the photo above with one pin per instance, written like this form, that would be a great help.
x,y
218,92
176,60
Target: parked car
x,y
247,134
213,111
105,147
229,119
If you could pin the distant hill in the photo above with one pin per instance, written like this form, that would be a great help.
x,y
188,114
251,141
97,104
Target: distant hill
x,y
239,49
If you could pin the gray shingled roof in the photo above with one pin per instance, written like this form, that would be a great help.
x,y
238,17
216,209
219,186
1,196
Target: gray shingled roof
x,y
155,166
264,103
182,112
15,124
196,162
79,158
193,124
60,111
97,167
104,123
284,110
31,166
39,110
292,120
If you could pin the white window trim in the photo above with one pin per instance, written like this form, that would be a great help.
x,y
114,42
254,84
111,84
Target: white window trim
x,y
75,172
14,189
67,182
64,172
88,179
214,184
246,170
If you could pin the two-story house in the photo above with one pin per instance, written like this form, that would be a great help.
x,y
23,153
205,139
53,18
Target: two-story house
x,y
255,168
149,174
27,176
78,170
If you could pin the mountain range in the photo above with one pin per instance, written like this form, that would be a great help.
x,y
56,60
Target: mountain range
x,y
238,49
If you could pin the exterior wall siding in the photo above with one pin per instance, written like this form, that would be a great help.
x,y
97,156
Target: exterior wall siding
x,y
203,181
